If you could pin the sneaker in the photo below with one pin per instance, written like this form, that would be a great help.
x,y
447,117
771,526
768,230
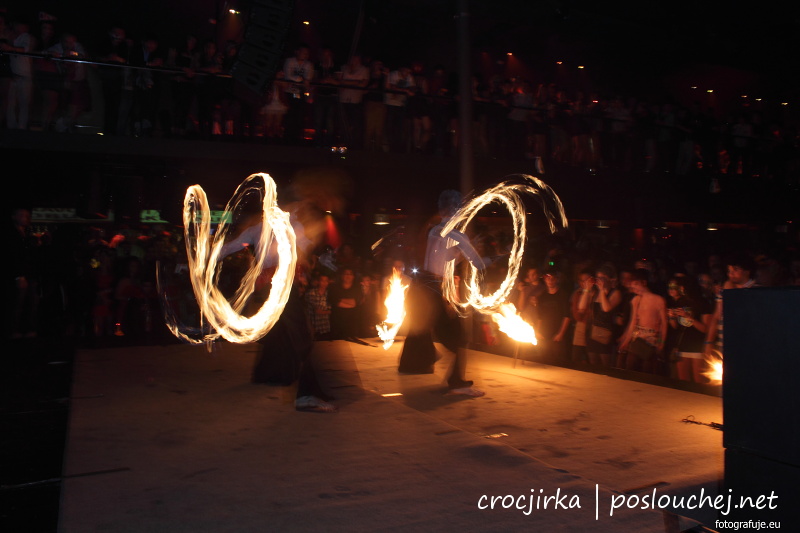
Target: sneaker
x,y
467,391
314,405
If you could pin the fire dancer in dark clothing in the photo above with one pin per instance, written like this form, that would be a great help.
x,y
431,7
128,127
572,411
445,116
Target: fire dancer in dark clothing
x,y
429,313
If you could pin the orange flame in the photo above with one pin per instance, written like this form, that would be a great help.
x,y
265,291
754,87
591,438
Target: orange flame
x,y
512,324
714,373
395,309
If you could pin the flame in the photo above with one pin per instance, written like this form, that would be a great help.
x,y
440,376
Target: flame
x,y
507,193
395,309
204,258
512,324
714,373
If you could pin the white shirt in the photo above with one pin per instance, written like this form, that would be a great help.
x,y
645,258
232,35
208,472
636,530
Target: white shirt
x,y
438,254
21,65
353,96
394,82
298,72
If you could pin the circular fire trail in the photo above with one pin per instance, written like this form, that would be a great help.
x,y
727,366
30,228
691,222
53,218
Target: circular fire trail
x,y
508,194
275,239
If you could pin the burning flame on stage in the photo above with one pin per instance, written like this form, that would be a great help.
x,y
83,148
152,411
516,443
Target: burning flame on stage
x,y
510,323
395,309
714,373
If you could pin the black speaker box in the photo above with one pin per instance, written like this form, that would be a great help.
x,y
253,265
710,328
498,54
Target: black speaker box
x,y
761,369
761,403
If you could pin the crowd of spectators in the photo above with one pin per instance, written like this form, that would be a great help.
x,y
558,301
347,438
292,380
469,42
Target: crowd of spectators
x,y
580,295
148,86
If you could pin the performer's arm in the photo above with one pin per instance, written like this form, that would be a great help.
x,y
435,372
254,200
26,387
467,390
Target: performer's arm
x,y
466,248
249,237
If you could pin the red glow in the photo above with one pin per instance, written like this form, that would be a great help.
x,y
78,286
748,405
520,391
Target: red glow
x,y
332,235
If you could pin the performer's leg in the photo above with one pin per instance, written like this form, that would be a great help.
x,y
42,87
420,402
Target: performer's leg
x,y
419,355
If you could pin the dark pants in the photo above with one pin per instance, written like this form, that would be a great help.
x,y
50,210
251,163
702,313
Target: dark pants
x,y
428,316
295,120
285,353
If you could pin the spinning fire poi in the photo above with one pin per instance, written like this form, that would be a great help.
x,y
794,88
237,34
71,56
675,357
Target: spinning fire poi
x,y
447,243
274,238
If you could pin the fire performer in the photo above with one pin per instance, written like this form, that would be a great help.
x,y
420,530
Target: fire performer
x,y
429,314
286,349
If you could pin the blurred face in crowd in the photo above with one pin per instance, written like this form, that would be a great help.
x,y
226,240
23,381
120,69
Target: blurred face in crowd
x,y
738,275
347,277
68,42
21,218
674,290
705,281
638,286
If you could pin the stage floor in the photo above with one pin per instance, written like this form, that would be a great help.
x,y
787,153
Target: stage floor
x,y
174,438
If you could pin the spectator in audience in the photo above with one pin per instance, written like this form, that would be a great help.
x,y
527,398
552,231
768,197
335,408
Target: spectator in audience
x,y
580,316
325,101
298,73
186,58
208,93
419,109
146,90
76,85
5,66
47,77
552,318
354,79
399,85
689,317
319,308
24,263
375,108
603,303
643,341
21,88
115,79
275,109
345,297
